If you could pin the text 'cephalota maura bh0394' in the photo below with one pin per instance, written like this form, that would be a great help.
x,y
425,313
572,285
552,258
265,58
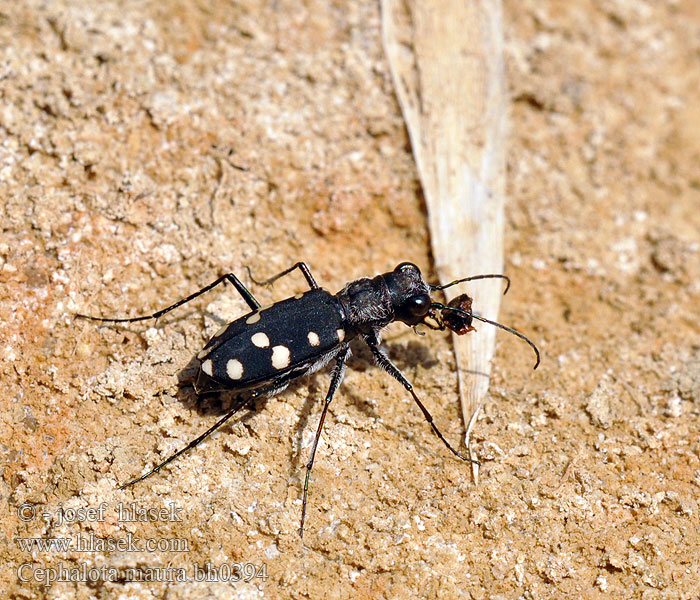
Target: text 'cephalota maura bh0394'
x,y
258,354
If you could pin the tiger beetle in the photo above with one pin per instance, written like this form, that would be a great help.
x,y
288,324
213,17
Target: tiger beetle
x,y
259,353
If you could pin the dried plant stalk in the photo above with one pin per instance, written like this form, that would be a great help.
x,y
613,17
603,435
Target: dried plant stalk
x,y
446,58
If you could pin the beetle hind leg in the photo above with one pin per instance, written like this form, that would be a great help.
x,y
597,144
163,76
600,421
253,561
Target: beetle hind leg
x,y
302,266
244,403
230,277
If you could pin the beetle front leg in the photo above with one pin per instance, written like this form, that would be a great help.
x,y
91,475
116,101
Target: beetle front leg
x,y
386,364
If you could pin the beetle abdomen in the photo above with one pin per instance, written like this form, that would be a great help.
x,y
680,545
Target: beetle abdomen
x,y
270,342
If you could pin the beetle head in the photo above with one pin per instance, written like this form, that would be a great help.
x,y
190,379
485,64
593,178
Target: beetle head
x,y
409,293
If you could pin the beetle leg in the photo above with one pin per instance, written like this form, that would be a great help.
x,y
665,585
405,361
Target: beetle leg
x,y
300,265
230,277
197,440
386,364
336,378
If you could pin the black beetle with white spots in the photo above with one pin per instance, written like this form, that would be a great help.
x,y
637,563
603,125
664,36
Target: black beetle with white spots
x,y
258,354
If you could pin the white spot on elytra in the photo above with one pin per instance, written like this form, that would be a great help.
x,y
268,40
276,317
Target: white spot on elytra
x,y
254,318
260,340
298,296
341,334
207,367
280,357
313,338
224,328
234,369
202,353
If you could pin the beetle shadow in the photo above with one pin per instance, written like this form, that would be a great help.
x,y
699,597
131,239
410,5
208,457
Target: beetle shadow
x,y
216,404
403,354
412,354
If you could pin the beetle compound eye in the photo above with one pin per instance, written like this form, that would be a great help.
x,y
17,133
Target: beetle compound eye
x,y
418,305
406,266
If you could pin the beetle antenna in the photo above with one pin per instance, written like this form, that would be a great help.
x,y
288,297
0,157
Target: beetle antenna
x,y
434,288
494,323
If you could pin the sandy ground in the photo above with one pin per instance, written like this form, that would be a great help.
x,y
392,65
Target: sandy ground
x,y
149,147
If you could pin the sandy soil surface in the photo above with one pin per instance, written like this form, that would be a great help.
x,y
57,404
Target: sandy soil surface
x,y
148,147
